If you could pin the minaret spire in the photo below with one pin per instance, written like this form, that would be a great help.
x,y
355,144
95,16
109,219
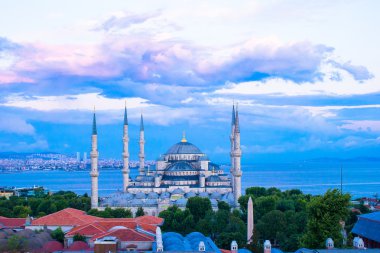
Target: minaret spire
x,y
236,154
141,123
233,114
94,130
142,152
125,154
94,164
232,140
125,115
237,127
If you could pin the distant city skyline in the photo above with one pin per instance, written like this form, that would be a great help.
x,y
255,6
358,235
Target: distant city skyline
x,y
305,75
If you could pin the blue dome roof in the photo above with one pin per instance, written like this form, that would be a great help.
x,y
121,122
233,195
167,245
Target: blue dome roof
x,y
178,191
140,195
180,166
191,194
203,194
184,148
214,178
152,195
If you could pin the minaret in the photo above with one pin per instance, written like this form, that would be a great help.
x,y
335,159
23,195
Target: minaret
x,y
250,221
237,158
141,142
232,140
125,152
94,165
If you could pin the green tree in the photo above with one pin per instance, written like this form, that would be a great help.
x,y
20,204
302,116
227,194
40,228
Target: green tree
x,y
223,206
225,239
177,220
256,191
16,243
140,212
79,237
198,207
21,211
121,213
285,205
58,235
264,205
324,214
271,225
6,212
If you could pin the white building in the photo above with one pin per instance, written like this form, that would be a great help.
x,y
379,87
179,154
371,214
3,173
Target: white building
x,y
183,171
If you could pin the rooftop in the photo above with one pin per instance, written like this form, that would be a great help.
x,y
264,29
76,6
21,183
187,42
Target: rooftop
x,y
368,226
184,148
11,222
65,217
125,234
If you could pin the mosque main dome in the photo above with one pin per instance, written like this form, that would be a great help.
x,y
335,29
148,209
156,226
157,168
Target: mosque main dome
x,y
183,147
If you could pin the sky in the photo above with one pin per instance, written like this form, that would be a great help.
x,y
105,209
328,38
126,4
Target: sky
x,y
305,75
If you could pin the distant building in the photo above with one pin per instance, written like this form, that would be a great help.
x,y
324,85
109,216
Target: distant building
x,y
6,192
368,228
78,157
85,157
182,172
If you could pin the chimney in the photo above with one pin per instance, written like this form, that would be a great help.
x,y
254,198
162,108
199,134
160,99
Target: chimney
x,y
267,247
202,246
329,243
358,243
234,247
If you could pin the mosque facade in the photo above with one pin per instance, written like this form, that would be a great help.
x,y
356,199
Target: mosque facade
x,y
184,171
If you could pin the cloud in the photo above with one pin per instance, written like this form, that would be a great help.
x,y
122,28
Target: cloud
x,y
122,20
360,73
362,125
7,45
344,86
75,109
35,145
142,60
73,102
256,60
13,124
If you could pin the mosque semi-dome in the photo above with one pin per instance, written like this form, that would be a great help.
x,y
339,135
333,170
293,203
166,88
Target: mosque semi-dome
x,y
181,166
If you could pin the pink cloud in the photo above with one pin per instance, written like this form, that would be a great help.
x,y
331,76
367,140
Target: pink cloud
x,y
7,77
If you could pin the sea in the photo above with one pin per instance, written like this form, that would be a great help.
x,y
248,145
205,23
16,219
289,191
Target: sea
x,y
358,179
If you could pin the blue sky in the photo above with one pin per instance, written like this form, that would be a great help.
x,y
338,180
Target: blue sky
x,y
305,75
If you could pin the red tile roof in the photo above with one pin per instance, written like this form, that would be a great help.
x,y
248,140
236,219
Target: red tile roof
x,y
100,226
52,246
148,227
87,230
65,217
104,224
150,220
79,245
12,222
126,234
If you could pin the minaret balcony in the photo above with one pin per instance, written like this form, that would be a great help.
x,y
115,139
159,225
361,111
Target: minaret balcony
x,y
94,173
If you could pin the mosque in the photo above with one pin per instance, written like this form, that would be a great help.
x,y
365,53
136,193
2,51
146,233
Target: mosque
x,y
184,171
